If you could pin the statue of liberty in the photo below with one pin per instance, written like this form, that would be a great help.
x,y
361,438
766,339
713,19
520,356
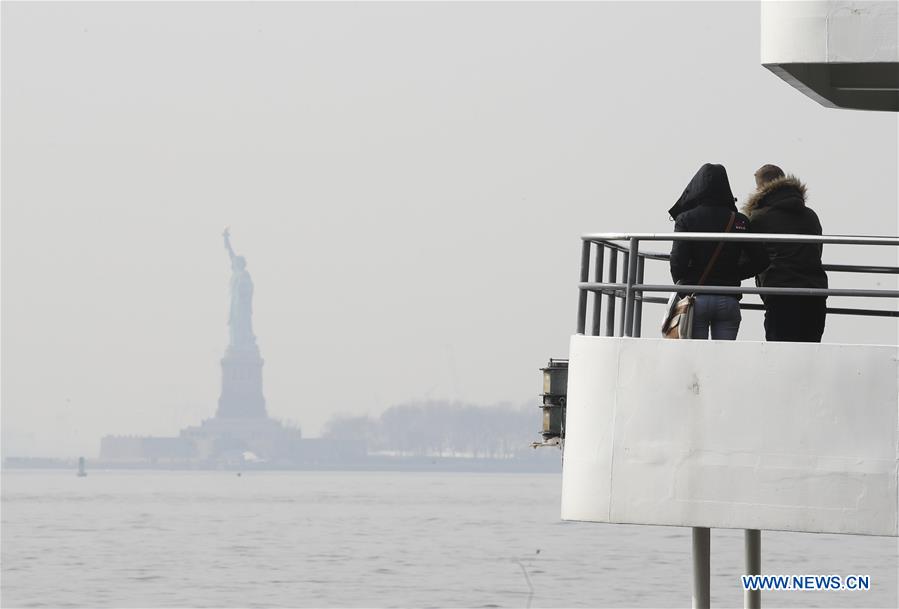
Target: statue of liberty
x,y
240,315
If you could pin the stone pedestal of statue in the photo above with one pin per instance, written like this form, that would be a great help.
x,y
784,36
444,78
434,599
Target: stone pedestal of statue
x,y
241,395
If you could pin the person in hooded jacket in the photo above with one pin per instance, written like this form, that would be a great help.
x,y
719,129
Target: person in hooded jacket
x,y
708,205
778,206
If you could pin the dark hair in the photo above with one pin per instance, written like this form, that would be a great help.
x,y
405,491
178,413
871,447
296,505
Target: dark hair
x,y
767,173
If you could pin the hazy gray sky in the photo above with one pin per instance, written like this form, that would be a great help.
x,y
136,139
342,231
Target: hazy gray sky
x,y
407,181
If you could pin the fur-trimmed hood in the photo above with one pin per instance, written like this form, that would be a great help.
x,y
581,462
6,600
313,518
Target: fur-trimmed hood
x,y
786,191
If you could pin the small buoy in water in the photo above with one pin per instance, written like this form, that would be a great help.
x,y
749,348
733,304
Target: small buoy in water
x,y
238,474
81,472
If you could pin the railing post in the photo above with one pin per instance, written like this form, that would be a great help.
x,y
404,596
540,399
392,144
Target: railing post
x,y
597,296
582,293
631,262
613,277
638,304
625,263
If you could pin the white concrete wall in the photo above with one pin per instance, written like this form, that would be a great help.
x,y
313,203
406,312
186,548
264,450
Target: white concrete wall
x,y
840,54
822,32
784,436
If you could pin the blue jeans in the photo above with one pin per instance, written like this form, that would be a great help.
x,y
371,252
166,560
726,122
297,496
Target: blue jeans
x,y
720,313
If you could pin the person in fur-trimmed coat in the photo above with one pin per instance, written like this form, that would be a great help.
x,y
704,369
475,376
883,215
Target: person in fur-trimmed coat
x,y
779,206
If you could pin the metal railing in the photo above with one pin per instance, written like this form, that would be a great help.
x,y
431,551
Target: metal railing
x,y
631,290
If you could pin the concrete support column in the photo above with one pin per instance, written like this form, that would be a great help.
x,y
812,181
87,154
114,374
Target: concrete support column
x,y
701,567
752,599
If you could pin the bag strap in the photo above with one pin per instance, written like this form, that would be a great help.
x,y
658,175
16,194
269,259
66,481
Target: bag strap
x,y
714,258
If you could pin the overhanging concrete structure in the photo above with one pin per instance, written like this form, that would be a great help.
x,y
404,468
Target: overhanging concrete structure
x,y
733,434
841,54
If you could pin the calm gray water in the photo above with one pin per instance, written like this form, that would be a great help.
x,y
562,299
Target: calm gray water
x,y
347,539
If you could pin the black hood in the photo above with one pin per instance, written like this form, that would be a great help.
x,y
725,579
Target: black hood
x,y
708,187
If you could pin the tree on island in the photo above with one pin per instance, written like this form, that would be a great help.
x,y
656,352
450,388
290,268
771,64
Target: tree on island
x,y
442,428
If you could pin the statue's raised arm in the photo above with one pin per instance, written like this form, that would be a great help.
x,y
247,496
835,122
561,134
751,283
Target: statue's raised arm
x,y
241,309
227,235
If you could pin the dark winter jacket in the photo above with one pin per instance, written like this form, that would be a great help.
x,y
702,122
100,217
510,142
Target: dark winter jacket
x,y
706,207
779,207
